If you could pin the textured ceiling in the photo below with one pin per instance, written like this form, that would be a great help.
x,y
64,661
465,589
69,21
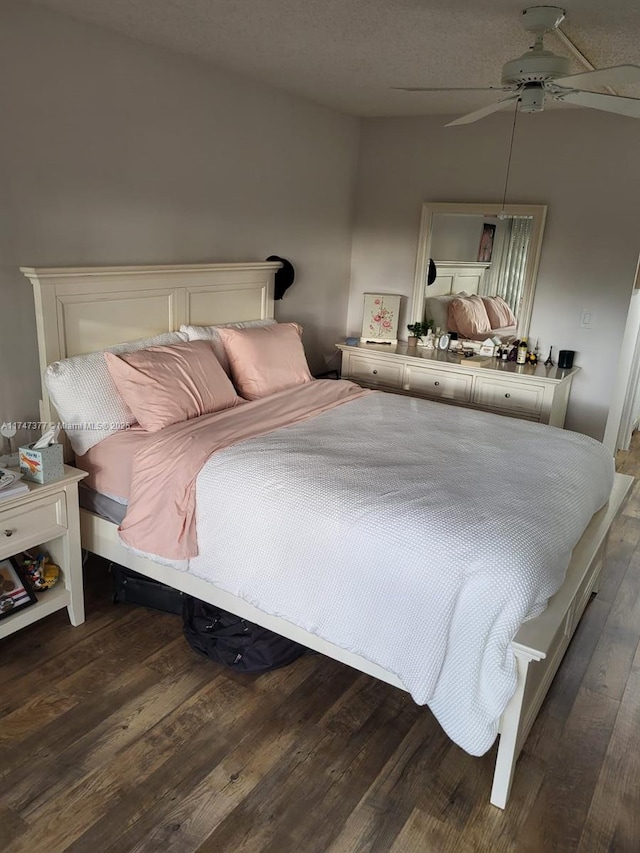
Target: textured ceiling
x,y
346,54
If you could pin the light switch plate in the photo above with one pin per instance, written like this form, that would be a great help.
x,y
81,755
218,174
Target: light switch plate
x,y
586,318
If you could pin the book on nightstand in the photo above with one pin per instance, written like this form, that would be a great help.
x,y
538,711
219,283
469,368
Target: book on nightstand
x,y
11,484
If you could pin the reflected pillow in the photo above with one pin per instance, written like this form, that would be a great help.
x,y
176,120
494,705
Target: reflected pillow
x,y
267,359
469,316
167,385
437,309
499,312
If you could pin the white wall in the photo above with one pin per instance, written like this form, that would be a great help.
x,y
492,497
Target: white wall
x,y
114,152
455,238
623,413
583,164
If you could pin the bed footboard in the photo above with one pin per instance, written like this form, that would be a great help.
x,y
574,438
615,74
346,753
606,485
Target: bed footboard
x,y
540,644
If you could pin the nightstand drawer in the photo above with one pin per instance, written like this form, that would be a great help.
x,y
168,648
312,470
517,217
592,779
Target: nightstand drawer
x,y
519,398
374,372
32,523
440,384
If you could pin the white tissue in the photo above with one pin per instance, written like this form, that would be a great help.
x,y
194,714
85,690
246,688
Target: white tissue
x,y
47,438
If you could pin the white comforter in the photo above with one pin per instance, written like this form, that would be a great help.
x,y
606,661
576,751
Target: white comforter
x,y
416,534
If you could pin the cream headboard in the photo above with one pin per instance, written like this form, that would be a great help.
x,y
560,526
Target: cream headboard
x,y
457,276
84,309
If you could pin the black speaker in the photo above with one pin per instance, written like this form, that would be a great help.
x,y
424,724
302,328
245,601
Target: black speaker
x,y
565,358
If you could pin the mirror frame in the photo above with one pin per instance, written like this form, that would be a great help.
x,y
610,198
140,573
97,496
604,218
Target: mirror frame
x,y
430,209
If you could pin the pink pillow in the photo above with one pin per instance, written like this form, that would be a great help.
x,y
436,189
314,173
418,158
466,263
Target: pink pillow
x,y
267,359
166,385
499,312
469,317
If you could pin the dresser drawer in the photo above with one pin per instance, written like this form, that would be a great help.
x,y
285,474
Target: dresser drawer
x,y
439,384
32,523
519,398
374,372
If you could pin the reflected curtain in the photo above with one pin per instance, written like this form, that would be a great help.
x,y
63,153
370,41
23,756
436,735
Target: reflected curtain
x,y
513,263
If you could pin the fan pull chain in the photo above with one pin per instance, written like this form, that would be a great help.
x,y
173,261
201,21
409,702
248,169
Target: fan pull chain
x,y
503,214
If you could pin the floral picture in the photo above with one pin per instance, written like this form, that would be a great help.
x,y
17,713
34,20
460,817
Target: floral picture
x,y
380,321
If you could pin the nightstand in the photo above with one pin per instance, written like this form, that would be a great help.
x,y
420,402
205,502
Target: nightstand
x,y
46,516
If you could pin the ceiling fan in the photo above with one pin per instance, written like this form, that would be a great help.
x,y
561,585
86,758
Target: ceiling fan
x,y
539,75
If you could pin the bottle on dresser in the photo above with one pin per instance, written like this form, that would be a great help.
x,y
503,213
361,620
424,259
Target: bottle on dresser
x,y
521,358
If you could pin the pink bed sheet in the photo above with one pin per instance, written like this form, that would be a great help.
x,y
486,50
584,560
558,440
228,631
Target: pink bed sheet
x,y
110,462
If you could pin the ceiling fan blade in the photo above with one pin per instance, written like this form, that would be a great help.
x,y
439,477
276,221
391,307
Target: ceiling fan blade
x,y
485,111
617,75
451,88
609,103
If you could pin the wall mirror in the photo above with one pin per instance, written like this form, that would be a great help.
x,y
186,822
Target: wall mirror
x,y
480,248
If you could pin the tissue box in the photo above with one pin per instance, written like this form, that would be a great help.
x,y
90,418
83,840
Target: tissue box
x,y
43,465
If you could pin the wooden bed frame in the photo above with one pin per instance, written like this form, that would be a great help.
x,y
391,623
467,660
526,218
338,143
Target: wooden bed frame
x,y
86,309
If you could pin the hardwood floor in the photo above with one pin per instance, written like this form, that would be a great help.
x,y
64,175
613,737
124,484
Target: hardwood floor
x,y
115,736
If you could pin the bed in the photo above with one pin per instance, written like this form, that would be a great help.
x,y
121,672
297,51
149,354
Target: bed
x,y
81,310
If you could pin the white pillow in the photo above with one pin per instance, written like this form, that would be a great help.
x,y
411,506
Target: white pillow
x,y
83,392
210,333
437,309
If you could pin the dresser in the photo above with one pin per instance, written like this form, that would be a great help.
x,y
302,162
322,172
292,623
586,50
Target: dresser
x,y
48,516
534,393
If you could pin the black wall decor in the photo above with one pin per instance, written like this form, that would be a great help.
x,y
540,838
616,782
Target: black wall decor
x,y
284,276
431,275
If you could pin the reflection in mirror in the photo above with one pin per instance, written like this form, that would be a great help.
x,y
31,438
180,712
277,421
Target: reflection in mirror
x,y
479,249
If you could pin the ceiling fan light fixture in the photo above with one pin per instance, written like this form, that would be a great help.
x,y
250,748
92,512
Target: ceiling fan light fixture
x,y
531,99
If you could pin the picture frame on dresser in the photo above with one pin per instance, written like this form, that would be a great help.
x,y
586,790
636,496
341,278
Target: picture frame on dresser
x,y
15,591
380,318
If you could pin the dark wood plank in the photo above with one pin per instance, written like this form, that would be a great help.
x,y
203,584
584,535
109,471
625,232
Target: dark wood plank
x,y
12,828
28,650
549,724
231,714
182,824
410,773
612,658
613,822
361,754
623,542
133,777
571,776
499,831
103,652
91,690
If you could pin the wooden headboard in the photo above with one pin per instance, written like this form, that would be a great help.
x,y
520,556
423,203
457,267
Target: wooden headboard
x,y
456,276
85,309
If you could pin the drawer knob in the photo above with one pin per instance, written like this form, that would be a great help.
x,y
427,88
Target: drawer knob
x,y
8,532
436,383
507,395
375,372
